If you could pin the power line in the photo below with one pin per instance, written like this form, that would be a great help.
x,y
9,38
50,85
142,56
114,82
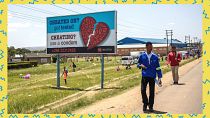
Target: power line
x,y
45,10
125,21
35,9
136,33
65,8
95,10
89,9
26,15
131,27
86,7
29,19
141,24
134,23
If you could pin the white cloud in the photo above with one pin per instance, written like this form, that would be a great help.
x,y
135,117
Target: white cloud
x,y
13,27
19,25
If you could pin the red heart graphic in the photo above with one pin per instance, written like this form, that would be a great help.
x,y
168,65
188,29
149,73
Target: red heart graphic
x,y
91,37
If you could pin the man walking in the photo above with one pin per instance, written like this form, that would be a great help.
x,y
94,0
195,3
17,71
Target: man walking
x,y
148,62
174,59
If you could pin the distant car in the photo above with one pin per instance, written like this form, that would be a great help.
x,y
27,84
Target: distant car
x,y
127,60
184,54
135,60
136,55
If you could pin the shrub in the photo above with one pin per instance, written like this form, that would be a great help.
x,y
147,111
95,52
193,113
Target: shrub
x,y
23,64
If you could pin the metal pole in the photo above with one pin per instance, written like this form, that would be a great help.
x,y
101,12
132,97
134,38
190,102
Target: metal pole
x,y
102,71
185,42
189,42
58,71
167,42
171,37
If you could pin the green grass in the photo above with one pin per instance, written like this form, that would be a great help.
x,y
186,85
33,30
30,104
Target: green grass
x,y
48,71
25,98
21,102
76,83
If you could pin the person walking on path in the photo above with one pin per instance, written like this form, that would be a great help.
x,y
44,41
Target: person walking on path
x,y
149,63
65,74
174,58
74,66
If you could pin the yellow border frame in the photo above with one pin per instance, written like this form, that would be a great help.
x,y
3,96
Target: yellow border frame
x,y
206,58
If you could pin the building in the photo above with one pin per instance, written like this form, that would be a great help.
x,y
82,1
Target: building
x,y
41,58
16,58
130,44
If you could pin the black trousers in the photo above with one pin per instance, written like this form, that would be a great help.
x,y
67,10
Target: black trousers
x,y
144,82
65,81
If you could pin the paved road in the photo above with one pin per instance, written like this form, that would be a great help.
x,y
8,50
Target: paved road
x,y
183,98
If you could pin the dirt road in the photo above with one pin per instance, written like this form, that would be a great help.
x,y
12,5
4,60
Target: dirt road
x,y
183,98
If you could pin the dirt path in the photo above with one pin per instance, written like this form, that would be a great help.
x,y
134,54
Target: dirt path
x,y
87,92
169,98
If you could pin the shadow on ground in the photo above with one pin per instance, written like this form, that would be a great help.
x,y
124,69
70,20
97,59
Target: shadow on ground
x,y
155,112
80,89
178,84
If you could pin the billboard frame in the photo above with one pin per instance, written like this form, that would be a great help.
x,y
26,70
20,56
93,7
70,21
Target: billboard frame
x,y
115,24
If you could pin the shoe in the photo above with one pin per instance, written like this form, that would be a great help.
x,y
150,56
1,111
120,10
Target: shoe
x,y
144,108
151,109
175,82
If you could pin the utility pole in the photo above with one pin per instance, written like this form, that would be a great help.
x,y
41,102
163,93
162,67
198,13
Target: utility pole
x,y
187,39
191,45
195,39
169,33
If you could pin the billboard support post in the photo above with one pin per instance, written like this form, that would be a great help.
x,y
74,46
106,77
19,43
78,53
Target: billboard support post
x,y
58,71
102,71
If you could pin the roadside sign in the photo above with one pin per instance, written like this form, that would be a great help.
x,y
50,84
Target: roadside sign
x,y
93,33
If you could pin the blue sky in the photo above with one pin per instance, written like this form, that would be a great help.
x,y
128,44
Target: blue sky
x,y
27,23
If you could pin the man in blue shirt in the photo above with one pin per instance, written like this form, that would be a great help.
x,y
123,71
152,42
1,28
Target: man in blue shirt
x,y
149,63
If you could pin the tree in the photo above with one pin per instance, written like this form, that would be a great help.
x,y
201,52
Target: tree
x,y
11,51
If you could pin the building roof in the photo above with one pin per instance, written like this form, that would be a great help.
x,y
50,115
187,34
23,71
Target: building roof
x,y
37,55
18,56
140,46
134,40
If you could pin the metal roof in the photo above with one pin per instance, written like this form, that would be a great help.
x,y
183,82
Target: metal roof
x,y
37,55
140,46
134,40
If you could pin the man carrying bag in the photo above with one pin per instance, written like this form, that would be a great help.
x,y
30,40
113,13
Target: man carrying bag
x,y
149,63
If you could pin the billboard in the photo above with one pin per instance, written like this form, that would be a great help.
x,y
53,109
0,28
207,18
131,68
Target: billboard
x,y
93,33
